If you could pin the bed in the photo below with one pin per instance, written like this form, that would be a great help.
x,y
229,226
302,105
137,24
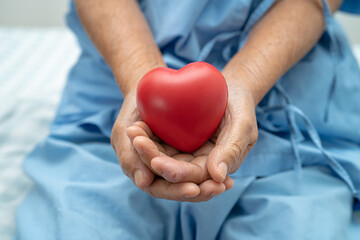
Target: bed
x,y
33,67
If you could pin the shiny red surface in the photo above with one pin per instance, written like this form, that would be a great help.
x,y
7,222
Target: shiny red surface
x,y
183,107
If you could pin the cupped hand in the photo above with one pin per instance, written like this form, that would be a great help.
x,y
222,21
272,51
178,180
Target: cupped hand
x,y
236,135
135,164
174,167
209,165
129,160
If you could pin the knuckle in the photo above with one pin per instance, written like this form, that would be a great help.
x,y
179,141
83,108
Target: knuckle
x,y
174,176
235,151
248,149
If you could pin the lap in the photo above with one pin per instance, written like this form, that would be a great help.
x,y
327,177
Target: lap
x,y
315,206
80,192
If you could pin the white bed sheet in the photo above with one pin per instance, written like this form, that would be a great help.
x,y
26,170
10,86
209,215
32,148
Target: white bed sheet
x,y
33,67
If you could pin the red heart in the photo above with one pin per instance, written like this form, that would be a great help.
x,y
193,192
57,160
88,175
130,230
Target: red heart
x,y
183,107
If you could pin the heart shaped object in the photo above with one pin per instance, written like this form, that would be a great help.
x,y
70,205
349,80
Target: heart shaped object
x,y
183,107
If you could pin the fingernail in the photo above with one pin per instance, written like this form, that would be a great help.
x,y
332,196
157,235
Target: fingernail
x,y
223,170
138,176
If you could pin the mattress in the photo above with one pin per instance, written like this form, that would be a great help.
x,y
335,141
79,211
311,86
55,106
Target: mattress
x,y
34,64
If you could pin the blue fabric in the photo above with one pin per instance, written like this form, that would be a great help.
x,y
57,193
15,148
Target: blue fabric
x,y
308,122
351,6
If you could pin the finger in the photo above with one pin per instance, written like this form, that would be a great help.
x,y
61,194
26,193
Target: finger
x,y
138,172
230,151
141,175
186,157
208,190
205,149
169,150
148,130
181,171
229,183
136,130
147,150
129,160
223,159
161,188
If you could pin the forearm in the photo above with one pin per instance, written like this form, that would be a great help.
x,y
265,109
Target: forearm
x,y
279,40
121,34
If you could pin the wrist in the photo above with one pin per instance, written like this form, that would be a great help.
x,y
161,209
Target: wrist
x,y
243,80
128,78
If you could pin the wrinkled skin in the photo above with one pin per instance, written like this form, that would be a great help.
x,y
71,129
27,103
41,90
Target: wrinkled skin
x,y
164,172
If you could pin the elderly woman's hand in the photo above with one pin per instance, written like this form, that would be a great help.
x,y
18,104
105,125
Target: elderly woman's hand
x,y
238,133
136,164
208,166
173,168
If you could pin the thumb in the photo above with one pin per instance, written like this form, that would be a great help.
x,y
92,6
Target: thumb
x,y
230,151
224,159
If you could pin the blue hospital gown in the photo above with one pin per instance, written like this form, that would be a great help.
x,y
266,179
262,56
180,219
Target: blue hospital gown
x,y
301,180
